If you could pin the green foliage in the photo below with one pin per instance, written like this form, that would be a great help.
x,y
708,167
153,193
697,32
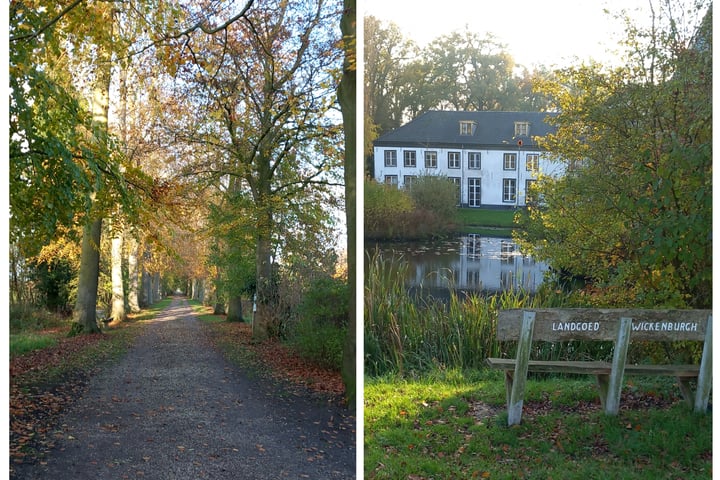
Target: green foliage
x,y
436,194
319,335
426,210
55,282
633,214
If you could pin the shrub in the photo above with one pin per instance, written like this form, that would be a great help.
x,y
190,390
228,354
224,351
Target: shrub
x,y
437,194
319,334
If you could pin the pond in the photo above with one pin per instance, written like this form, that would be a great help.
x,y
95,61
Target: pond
x,y
469,263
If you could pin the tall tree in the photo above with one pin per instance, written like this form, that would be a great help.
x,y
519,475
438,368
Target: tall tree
x,y
263,93
633,214
347,98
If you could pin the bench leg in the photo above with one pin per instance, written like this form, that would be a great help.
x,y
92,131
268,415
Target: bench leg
x,y
615,382
517,392
508,387
704,383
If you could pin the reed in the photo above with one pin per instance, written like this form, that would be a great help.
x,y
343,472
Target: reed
x,y
406,333
412,334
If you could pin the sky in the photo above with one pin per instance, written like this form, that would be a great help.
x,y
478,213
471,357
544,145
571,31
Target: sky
x,y
536,32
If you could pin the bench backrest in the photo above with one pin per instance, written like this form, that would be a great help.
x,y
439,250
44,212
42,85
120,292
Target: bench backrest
x,y
563,324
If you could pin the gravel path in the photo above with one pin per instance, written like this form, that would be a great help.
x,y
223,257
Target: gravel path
x,y
173,408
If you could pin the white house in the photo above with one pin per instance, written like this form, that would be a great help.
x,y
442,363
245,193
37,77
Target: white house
x,y
492,156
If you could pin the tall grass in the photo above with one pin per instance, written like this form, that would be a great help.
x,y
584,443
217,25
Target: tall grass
x,y
405,334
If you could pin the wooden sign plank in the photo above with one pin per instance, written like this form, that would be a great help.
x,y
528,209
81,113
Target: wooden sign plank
x,y
563,324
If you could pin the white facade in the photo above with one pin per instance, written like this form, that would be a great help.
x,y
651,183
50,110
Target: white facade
x,y
486,177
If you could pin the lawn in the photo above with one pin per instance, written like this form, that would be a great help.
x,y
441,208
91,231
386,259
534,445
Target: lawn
x,y
487,221
454,425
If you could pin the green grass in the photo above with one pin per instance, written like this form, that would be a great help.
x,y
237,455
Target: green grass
x,y
487,217
27,342
427,428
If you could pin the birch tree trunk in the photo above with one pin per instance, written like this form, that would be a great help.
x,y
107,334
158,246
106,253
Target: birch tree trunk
x,y
133,300
117,309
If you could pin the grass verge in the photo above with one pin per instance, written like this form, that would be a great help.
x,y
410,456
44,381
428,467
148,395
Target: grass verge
x,y
449,425
21,343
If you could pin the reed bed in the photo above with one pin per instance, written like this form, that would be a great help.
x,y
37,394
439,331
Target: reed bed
x,y
410,334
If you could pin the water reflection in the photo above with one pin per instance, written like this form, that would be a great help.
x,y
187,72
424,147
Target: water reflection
x,y
469,263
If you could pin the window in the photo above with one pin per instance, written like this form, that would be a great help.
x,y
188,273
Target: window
x,y
430,159
474,160
529,194
509,189
391,158
391,180
408,180
453,159
409,159
522,129
532,162
467,127
509,161
456,181
474,199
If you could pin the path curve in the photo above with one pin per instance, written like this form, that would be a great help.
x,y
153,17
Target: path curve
x,y
173,408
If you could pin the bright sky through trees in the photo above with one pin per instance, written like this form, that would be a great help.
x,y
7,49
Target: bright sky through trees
x,y
549,32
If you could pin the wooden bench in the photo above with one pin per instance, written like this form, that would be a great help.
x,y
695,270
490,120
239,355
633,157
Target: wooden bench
x,y
617,325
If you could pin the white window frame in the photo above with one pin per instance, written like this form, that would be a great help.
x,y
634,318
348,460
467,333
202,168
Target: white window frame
x,y
509,161
467,127
431,159
391,180
509,190
522,129
454,159
458,184
474,161
408,180
532,162
410,159
391,158
474,192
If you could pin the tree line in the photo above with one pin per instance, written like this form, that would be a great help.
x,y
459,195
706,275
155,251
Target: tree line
x,y
161,146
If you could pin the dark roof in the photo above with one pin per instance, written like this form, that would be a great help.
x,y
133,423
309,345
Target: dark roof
x,y
442,129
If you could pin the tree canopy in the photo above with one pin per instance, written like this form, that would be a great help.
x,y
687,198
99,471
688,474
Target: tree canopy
x,y
633,214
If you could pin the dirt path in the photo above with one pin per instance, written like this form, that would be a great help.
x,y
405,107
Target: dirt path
x,y
173,408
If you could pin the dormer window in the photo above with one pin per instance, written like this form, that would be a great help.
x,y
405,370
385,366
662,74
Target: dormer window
x,y
522,129
467,127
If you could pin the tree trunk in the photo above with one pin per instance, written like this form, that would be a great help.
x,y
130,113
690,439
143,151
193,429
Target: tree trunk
x,y
157,287
234,311
265,288
147,289
117,308
84,317
133,300
346,97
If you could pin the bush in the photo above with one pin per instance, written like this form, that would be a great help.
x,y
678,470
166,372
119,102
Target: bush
x,y
427,209
319,334
436,194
